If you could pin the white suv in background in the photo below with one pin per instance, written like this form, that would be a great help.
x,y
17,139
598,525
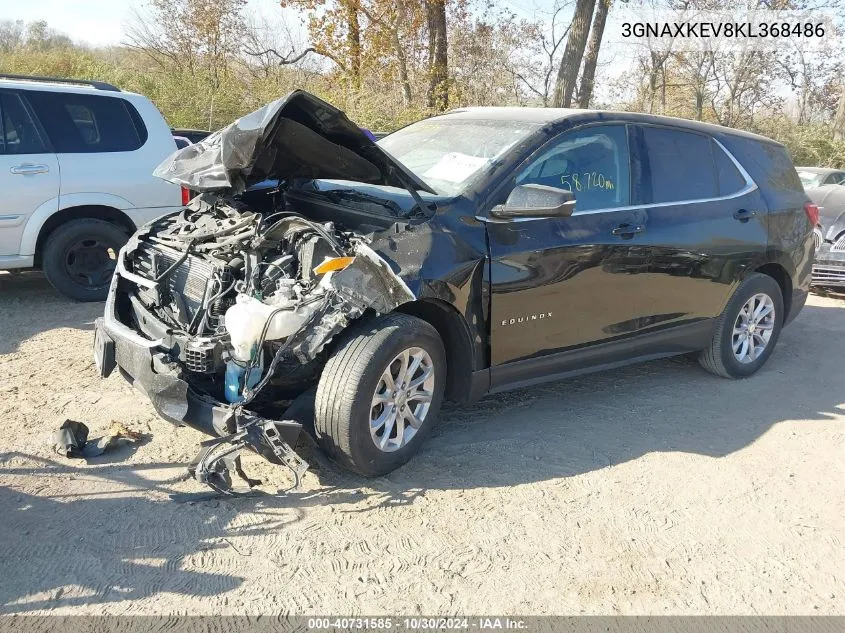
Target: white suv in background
x,y
76,162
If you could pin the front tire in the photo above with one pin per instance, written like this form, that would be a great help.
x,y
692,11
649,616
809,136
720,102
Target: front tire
x,y
747,330
80,256
380,393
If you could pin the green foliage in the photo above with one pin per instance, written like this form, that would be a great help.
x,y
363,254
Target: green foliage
x,y
188,99
210,93
808,144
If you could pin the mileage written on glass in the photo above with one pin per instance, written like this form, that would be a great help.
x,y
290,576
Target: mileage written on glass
x,y
586,181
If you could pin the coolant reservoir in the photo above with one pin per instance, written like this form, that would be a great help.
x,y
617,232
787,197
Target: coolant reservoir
x,y
246,319
236,379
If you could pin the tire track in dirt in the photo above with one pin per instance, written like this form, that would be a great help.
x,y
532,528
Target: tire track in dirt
x,y
650,489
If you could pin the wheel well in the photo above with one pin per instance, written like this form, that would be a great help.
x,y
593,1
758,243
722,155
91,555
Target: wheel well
x,y
457,341
96,212
779,274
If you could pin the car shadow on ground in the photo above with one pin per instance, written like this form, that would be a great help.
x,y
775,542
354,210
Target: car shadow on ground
x,y
559,430
583,424
573,426
31,305
50,544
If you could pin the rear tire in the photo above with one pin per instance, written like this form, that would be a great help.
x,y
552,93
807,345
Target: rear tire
x,y
735,350
350,425
79,258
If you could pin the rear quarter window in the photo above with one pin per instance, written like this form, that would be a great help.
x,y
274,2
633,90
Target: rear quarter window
x,y
768,163
82,123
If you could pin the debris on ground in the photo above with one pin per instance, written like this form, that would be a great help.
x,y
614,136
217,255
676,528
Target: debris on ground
x,y
71,439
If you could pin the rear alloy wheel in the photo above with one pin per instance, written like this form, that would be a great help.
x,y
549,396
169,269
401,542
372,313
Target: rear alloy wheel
x,y
379,394
747,330
753,328
80,257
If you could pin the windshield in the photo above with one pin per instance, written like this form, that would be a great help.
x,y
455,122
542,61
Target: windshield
x,y
447,154
810,179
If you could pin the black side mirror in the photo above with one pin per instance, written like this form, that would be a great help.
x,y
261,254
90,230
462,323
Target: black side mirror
x,y
536,201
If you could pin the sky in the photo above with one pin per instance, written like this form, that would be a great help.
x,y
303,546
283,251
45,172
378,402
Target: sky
x,y
103,22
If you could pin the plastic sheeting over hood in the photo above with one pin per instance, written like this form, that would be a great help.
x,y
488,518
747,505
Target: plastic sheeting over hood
x,y
298,136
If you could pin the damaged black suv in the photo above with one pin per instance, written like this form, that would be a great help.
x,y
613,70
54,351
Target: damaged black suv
x,y
477,251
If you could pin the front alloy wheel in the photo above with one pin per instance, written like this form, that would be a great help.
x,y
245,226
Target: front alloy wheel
x,y
402,399
379,393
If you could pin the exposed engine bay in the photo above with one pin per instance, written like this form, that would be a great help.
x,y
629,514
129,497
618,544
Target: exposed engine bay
x,y
231,283
213,303
250,299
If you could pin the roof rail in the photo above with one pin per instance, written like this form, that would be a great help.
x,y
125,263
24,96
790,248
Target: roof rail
x,y
99,85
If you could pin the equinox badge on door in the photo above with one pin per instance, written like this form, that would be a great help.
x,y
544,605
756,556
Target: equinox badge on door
x,y
526,318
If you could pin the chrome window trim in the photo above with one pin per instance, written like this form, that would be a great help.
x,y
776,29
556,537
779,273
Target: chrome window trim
x,y
750,186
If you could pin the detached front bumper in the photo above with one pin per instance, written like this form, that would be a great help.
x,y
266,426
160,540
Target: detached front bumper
x,y
149,366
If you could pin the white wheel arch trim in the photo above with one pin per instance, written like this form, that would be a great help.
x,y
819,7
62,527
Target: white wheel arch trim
x,y
53,206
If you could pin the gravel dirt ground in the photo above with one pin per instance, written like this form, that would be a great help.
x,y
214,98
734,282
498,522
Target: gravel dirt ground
x,y
653,489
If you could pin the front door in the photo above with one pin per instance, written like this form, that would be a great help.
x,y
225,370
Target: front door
x,y
29,171
561,283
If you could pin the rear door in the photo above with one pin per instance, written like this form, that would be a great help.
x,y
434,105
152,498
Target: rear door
x,y
706,220
29,170
559,283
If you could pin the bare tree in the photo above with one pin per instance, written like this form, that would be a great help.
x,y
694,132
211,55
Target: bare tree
x,y
11,35
585,93
533,64
839,117
269,44
194,36
438,63
573,53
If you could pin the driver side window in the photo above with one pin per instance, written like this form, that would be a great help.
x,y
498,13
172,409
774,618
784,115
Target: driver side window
x,y
592,163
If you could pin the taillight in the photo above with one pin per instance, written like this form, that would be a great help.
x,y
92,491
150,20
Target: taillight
x,y
812,211
186,198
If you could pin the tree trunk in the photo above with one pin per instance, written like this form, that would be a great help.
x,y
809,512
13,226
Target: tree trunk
x,y
589,75
567,73
839,118
438,67
353,42
400,56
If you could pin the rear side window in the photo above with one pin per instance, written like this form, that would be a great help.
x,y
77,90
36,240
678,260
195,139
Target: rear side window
x,y
679,165
19,133
728,176
82,123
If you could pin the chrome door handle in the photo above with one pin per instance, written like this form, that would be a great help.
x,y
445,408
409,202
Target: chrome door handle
x,y
29,169
628,230
743,215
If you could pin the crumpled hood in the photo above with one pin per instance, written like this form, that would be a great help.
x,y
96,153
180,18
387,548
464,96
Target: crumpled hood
x,y
297,136
831,201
